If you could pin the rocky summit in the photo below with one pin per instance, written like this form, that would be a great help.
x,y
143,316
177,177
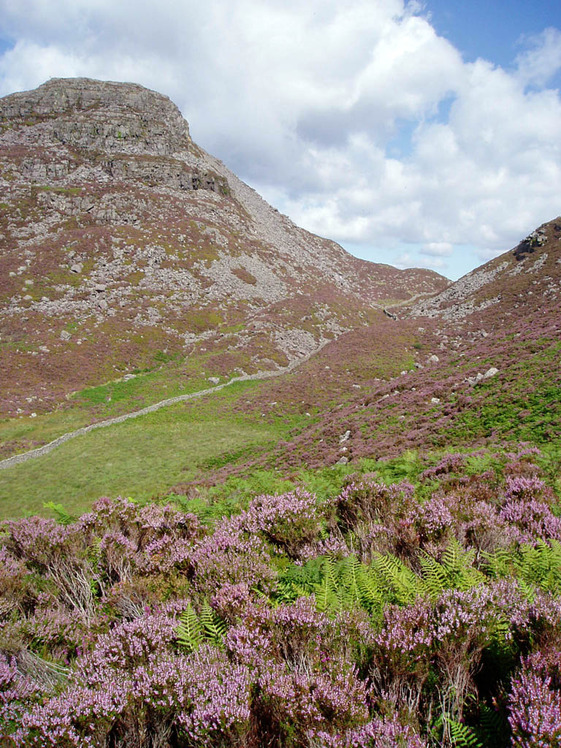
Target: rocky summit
x,y
124,245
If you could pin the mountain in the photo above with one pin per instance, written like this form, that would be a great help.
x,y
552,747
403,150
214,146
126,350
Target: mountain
x,y
348,546
136,269
480,366
124,247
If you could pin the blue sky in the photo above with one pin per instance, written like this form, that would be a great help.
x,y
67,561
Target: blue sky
x,y
416,134
493,29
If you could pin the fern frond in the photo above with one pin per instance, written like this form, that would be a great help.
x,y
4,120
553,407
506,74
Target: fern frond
x,y
458,565
461,735
493,726
349,573
326,590
188,632
541,565
534,566
499,564
286,592
435,579
403,585
372,595
61,515
454,571
213,628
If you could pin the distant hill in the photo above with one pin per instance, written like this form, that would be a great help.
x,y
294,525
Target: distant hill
x,y
480,366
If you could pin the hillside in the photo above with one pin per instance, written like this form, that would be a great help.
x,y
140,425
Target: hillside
x,y
343,526
480,366
124,247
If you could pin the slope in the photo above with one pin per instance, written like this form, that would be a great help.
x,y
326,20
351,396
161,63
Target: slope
x,y
126,248
481,367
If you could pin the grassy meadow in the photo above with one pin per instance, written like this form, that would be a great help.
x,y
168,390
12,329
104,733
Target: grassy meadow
x,y
140,458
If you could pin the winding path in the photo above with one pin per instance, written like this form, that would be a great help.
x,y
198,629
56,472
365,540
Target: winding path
x,y
46,448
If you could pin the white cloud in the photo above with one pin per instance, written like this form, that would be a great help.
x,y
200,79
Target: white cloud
x,y
538,64
437,249
304,100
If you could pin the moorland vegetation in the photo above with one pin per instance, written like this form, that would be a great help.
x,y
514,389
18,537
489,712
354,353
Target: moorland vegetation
x,y
411,602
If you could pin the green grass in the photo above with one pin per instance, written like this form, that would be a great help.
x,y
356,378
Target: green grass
x,y
139,458
42,429
173,377
143,457
527,407
146,388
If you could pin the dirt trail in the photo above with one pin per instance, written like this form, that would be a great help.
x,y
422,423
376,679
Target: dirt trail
x,y
46,448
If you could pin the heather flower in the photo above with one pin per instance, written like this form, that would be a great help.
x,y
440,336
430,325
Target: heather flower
x,y
379,733
530,520
535,703
333,546
79,717
232,601
289,521
378,516
53,626
249,645
303,702
452,463
524,488
366,501
35,540
227,557
127,646
216,700
17,694
435,517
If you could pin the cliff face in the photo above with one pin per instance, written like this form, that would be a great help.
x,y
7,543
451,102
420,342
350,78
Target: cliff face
x,y
121,241
99,115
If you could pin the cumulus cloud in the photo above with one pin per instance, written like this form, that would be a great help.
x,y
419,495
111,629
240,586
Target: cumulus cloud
x,y
355,118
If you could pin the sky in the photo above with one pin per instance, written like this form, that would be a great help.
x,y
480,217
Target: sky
x,y
418,134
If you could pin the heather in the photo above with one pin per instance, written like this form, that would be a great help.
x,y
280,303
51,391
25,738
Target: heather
x,y
414,602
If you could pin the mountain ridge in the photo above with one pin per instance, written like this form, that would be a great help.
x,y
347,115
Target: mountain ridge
x,y
132,243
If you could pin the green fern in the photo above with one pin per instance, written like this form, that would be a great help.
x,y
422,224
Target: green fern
x,y
194,629
493,727
461,735
435,578
372,592
534,566
454,571
403,585
61,515
458,564
213,628
189,633
326,591
286,592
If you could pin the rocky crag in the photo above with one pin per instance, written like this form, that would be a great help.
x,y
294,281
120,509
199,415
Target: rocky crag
x,y
124,245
